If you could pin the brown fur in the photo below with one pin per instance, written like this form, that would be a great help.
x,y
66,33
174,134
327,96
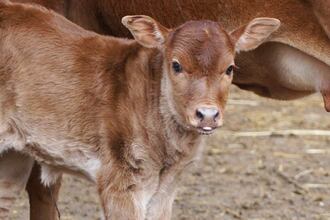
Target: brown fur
x,y
321,9
110,109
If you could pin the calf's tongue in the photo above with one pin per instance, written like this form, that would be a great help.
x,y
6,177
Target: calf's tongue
x,y
326,99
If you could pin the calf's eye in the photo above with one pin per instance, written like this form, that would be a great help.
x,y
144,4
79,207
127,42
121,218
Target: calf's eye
x,y
176,66
230,69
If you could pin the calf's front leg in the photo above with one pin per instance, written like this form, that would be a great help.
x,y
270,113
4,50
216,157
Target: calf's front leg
x,y
122,196
161,204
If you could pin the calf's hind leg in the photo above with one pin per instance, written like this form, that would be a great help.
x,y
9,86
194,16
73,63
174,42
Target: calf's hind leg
x,y
15,169
42,198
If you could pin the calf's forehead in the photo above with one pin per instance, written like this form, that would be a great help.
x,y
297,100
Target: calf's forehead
x,y
201,45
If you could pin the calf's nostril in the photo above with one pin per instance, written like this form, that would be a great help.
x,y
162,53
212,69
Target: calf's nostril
x,y
199,115
216,115
207,113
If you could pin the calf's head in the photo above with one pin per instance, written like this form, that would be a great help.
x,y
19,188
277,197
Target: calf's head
x,y
198,64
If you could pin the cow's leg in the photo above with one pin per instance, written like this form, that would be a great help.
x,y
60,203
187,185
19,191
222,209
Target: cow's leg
x,y
160,206
123,205
15,169
161,203
121,195
42,199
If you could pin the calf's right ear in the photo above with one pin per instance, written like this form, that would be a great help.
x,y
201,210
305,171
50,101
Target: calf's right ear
x,y
254,33
145,30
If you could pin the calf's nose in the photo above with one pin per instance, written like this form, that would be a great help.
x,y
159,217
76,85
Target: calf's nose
x,y
207,113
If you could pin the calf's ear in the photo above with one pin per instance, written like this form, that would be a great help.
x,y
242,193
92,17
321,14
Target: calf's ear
x,y
145,30
254,33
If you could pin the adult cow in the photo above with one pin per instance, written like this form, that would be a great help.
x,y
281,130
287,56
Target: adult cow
x,y
292,64
270,71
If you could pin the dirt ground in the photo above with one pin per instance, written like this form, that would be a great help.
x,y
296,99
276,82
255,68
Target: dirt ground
x,y
276,177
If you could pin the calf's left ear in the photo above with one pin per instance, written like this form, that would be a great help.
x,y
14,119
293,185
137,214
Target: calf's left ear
x,y
145,30
254,33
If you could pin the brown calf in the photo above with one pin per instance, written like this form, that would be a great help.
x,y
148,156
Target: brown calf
x,y
289,68
295,64
128,115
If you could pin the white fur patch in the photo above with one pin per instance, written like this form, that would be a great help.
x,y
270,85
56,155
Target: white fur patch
x,y
92,166
73,156
49,175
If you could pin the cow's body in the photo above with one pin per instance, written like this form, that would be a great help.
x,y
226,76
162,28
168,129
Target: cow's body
x,y
302,38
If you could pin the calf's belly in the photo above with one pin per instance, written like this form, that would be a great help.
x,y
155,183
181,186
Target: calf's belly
x,y
55,154
63,155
